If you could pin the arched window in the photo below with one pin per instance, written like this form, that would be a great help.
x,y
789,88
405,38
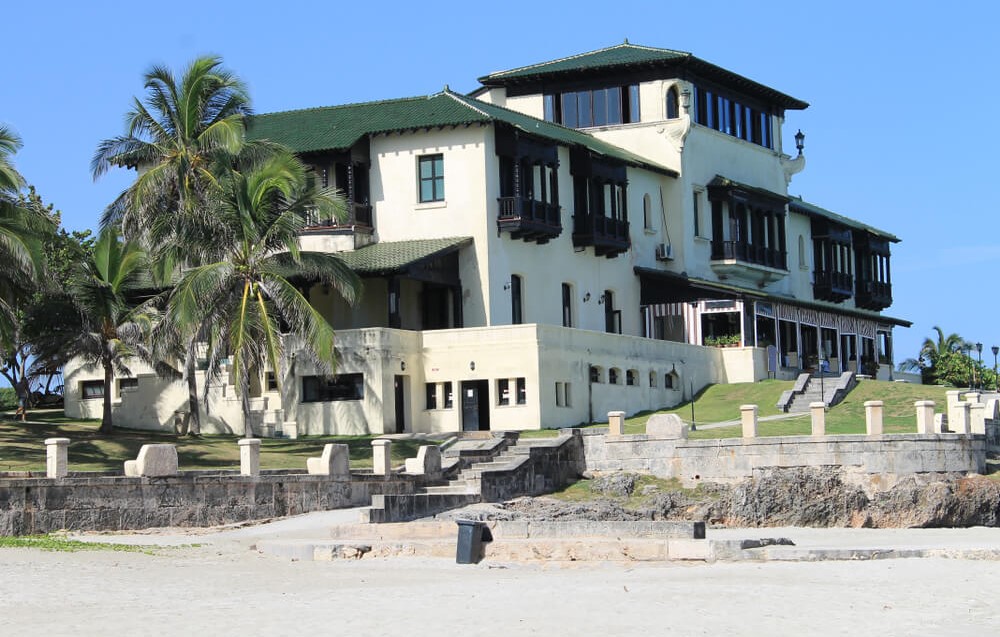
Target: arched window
x,y
652,379
673,103
596,374
647,212
631,377
613,376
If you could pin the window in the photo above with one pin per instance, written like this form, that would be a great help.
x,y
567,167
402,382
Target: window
x,y
594,107
567,305
652,379
696,200
503,391
431,178
317,389
612,317
595,374
270,382
671,380
613,374
631,378
522,391
730,116
802,252
449,397
673,103
516,311
647,212
126,385
90,389
431,400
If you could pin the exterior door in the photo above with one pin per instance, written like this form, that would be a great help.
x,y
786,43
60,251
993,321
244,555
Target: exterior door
x,y
475,405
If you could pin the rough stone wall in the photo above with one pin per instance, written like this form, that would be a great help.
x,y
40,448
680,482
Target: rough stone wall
x,y
730,460
114,503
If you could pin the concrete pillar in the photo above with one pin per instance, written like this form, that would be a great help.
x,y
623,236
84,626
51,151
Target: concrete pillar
x,y
958,419
249,456
818,412
748,418
873,417
56,457
616,423
382,456
940,423
925,417
977,418
290,429
972,397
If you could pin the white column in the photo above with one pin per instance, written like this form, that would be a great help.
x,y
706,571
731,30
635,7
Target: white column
x,y
873,417
818,412
382,456
616,423
958,419
925,416
748,418
249,456
56,457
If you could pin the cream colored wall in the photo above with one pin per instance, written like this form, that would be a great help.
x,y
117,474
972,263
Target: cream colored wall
x,y
466,210
533,105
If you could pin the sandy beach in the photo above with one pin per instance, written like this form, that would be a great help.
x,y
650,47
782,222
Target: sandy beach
x,y
224,587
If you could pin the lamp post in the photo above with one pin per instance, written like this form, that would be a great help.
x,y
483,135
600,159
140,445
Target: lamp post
x,y
978,370
996,350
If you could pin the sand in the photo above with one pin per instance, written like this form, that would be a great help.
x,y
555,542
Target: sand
x,y
223,587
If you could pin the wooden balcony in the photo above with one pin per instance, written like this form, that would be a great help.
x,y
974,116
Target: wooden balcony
x,y
528,219
609,237
833,286
747,262
873,295
360,215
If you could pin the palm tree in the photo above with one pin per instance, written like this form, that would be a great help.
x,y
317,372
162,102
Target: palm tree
x,y
249,282
932,349
24,227
114,328
181,138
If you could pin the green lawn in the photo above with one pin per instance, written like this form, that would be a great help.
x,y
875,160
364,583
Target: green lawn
x,y
22,447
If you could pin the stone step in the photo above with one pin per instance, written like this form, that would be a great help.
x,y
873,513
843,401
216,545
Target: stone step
x,y
451,488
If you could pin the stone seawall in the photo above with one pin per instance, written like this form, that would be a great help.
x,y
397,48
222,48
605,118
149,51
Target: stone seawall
x,y
195,499
734,459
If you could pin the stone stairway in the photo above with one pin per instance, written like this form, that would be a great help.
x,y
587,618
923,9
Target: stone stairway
x,y
810,388
495,455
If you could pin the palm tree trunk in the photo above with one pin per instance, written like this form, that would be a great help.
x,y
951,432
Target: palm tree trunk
x,y
109,381
194,417
245,402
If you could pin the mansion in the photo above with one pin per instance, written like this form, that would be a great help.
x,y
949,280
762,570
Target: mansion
x,y
607,231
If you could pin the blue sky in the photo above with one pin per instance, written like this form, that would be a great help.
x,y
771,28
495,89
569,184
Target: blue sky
x,y
900,132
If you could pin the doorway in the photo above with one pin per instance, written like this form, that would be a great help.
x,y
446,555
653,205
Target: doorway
x,y
399,386
475,405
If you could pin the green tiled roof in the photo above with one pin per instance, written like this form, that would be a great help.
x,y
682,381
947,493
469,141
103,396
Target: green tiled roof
x,y
813,210
340,127
394,256
614,56
633,57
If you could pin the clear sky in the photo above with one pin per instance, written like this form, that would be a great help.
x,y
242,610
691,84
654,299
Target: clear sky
x,y
900,133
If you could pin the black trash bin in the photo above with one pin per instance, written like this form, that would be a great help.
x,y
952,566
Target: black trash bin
x,y
471,535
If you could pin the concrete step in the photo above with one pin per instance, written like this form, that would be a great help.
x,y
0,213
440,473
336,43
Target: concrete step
x,y
450,488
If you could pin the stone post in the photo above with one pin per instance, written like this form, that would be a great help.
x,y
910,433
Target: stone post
x,y
925,416
973,397
290,429
954,399
959,423
818,412
748,418
381,456
940,423
977,418
616,423
249,456
873,417
56,457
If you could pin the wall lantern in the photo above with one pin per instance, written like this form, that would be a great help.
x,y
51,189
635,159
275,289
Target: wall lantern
x,y
586,297
506,286
800,141
402,366
472,365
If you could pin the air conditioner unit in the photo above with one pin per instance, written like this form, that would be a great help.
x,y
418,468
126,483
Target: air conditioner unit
x,y
664,252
